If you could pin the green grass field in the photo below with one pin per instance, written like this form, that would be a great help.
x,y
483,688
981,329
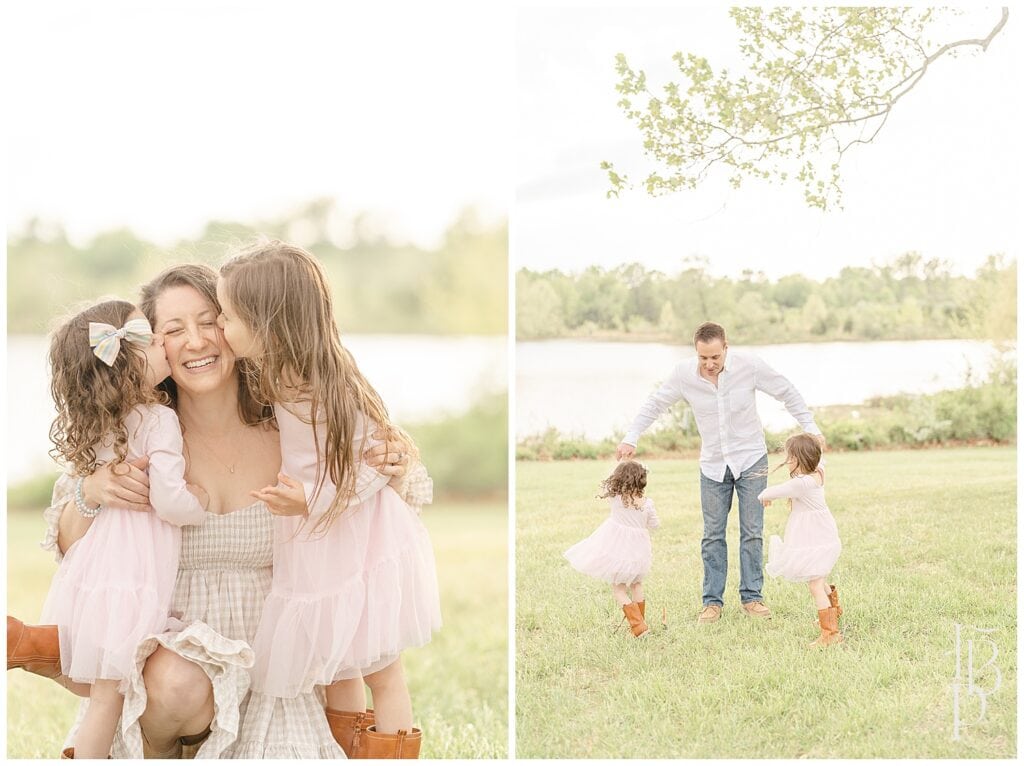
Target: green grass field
x,y
929,541
459,682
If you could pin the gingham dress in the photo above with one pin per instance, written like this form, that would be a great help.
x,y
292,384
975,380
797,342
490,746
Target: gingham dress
x,y
223,580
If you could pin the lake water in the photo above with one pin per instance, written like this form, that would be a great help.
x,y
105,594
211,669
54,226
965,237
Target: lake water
x,y
420,377
593,388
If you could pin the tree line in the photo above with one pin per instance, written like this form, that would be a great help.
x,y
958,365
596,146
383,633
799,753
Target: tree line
x,y
459,287
909,298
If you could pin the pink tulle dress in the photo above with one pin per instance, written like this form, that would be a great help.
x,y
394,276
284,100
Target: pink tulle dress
x,y
114,585
619,551
343,603
811,546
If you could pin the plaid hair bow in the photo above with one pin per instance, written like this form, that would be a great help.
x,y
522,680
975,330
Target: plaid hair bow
x,y
105,339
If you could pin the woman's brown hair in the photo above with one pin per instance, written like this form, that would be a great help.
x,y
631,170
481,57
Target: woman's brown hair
x,y
281,294
203,280
629,479
93,399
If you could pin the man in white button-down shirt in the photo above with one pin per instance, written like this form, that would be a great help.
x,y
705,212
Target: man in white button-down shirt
x,y
733,454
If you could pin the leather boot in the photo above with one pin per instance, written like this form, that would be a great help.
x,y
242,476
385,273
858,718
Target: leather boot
x,y
36,648
828,619
636,620
400,745
348,728
833,599
643,606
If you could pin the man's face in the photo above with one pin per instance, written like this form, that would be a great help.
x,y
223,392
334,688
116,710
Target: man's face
x,y
711,355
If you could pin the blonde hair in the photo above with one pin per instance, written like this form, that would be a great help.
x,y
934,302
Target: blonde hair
x,y
628,480
806,451
203,280
281,294
93,399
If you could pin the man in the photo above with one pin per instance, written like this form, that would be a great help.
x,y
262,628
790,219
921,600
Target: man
x,y
733,454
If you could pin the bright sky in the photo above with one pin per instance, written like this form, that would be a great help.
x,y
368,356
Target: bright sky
x,y
942,178
161,116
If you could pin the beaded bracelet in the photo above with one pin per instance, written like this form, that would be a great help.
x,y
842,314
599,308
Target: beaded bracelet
x,y
89,513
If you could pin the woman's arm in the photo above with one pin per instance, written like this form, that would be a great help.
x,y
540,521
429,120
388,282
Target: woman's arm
x,y
125,486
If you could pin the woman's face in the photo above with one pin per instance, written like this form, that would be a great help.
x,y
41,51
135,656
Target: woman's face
x,y
199,358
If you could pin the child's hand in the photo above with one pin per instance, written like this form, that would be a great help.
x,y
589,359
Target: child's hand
x,y
766,502
287,500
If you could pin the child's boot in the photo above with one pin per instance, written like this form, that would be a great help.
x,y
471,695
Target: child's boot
x,y
833,599
35,648
348,728
828,619
642,605
636,619
404,744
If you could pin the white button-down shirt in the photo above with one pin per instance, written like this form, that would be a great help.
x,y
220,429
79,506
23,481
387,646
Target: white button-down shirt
x,y
730,430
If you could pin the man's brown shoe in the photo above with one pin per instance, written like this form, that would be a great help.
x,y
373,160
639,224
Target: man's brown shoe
x,y
757,609
710,613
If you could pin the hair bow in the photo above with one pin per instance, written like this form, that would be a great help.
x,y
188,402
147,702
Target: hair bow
x,y
105,339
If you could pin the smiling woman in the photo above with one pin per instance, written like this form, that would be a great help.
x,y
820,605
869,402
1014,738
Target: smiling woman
x,y
186,684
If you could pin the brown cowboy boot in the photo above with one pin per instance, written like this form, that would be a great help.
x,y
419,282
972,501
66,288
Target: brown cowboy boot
x,y
828,619
833,599
401,745
643,607
636,620
348,729
34,648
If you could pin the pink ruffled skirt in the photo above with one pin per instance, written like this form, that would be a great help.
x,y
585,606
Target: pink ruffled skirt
x,y
114,587
809,549
615,553
346,603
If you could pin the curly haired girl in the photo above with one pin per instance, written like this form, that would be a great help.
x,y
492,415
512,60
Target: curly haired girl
x,y
114,586
619,551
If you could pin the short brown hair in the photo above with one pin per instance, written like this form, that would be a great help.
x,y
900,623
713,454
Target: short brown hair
x,y
629,479
805,449
708,332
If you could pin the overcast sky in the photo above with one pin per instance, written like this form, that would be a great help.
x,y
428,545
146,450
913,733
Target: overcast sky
x,y
161,116
941,179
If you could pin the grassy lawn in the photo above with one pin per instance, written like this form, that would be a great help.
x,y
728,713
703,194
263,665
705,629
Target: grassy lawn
x,y
462,706
929,541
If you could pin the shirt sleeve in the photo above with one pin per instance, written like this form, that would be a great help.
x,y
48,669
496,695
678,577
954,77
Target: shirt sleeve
x,y
167,492
63,493
652,515
778,386
657,404
793,488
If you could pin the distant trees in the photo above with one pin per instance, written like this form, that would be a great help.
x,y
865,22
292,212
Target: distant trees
x,y
458,288
909,298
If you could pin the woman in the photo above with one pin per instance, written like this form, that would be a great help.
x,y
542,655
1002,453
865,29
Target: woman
x,y
190,688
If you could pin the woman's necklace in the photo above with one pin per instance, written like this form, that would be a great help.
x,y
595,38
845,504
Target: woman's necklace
x,y
230,466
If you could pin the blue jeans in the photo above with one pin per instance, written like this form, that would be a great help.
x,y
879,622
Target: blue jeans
x,y
715,502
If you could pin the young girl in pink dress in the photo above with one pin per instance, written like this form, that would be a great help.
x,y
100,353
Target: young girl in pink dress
x,y
354,575
811,544
114,585
619,551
